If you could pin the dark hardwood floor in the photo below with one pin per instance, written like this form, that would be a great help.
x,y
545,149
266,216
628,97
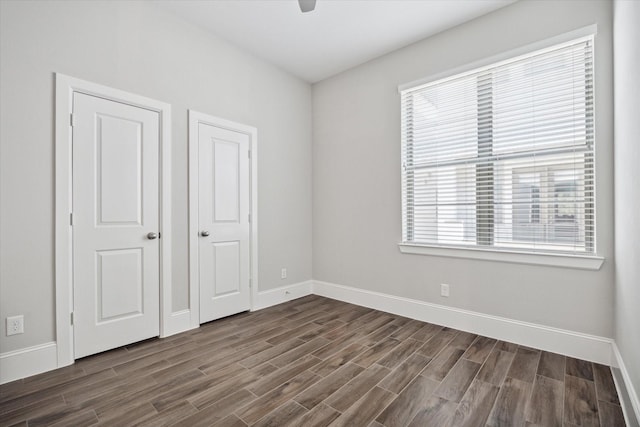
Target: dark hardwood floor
x,y
316,362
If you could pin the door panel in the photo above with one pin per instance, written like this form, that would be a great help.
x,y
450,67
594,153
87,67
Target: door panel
x,y
226,266
224,214
120,284
226,169
119,170
115,205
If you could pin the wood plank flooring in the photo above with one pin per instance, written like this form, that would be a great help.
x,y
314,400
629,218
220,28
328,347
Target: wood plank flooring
x,y
318,362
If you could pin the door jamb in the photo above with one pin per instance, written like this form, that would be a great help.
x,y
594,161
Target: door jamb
x,y
195,118
66,86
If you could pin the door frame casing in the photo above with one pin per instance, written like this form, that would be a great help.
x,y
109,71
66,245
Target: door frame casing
x,y
66,86
195,119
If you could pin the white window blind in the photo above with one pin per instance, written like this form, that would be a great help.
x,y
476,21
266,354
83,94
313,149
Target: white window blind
x,y
502,157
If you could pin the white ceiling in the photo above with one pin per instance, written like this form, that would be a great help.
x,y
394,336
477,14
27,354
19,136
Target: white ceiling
x,y
338,35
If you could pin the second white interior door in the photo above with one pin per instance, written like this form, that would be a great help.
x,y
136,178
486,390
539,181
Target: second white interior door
x,y
224,231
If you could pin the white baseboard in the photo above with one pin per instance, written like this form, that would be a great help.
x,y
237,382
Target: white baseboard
x,y
282,294
575,344
179,321
626,392
25,362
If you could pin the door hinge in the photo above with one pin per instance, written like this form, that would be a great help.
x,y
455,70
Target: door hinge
x,y
70,218
249,217
249,153
71,317
250,285
72,121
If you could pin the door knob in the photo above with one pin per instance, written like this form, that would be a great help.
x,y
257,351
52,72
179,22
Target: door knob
x,y
152,235
204,233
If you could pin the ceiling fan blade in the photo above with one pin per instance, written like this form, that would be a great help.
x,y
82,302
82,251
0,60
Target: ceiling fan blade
x,y
307,5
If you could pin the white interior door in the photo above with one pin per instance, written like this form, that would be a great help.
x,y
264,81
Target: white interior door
x,y
223,212
115,224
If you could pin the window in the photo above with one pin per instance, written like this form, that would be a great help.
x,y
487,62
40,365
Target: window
x,y
502,157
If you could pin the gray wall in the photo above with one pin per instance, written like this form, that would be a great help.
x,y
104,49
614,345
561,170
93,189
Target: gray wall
x,y
356,178
627,176
136,47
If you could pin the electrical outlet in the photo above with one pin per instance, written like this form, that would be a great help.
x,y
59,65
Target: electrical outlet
x,y
283,273
15,325
444,290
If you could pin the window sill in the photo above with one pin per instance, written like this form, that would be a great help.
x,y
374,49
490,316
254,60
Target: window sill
x,y
531,258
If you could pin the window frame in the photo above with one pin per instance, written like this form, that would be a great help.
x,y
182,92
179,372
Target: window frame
x,y
588,261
